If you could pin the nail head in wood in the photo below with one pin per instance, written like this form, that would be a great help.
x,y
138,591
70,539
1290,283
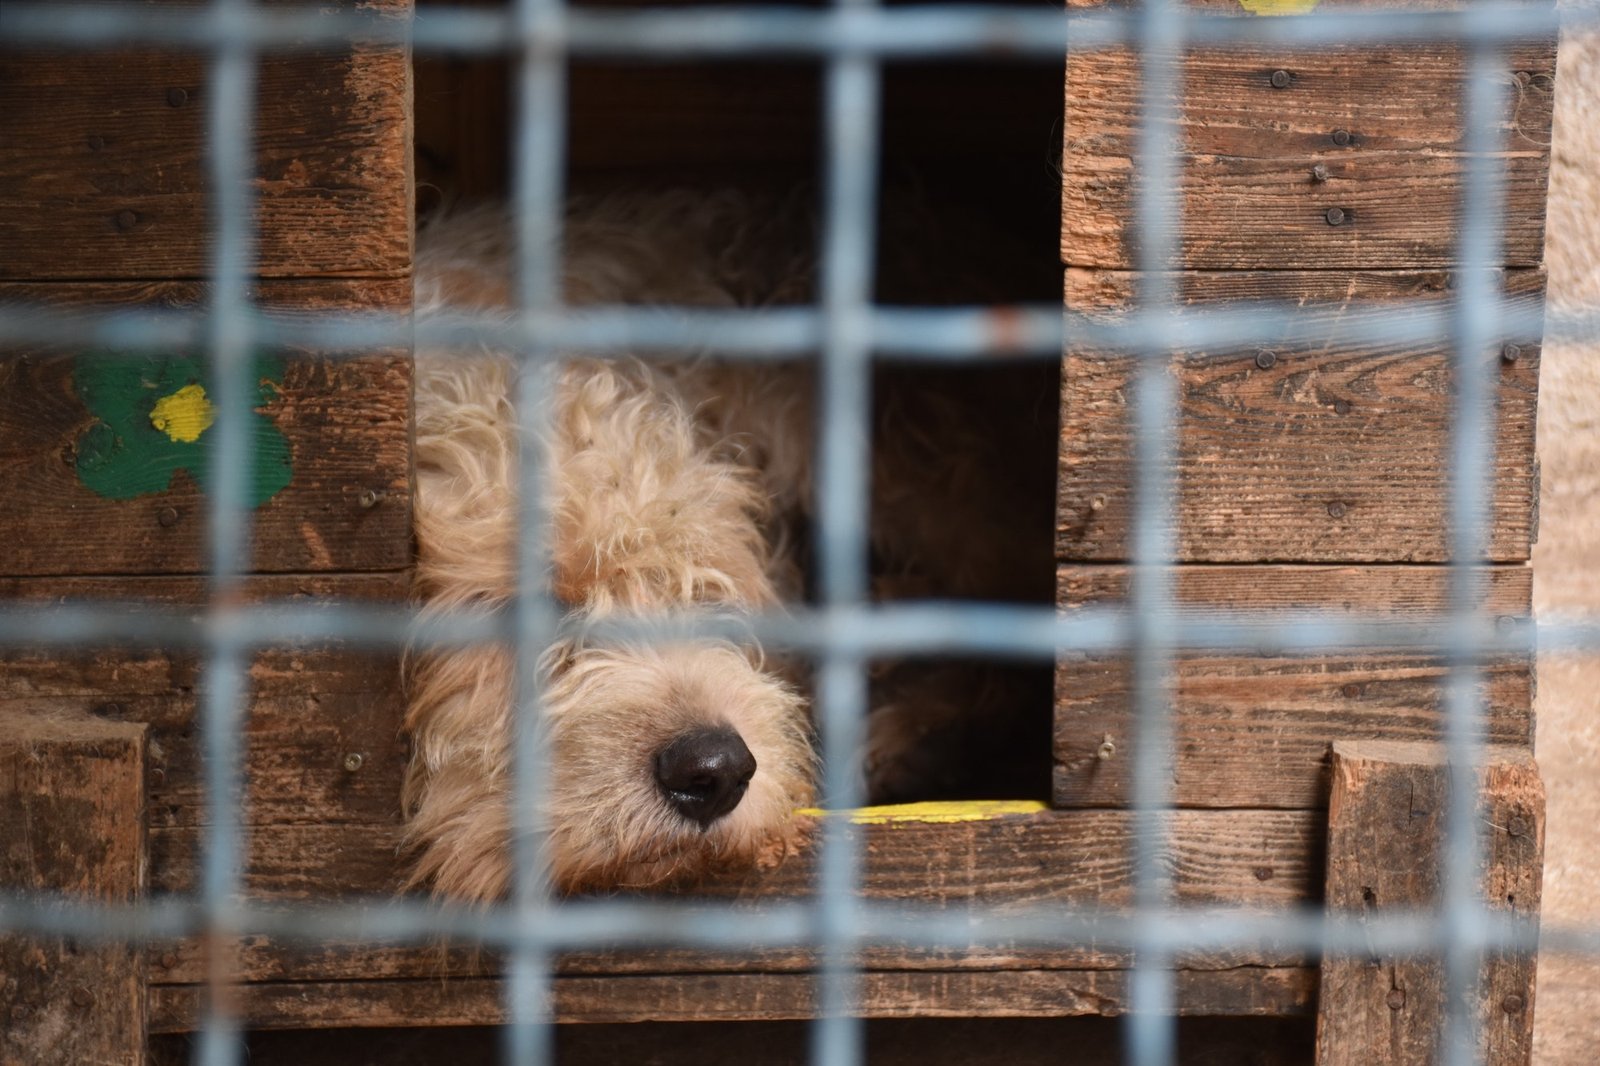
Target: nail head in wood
x,y
1341,137
1341,407
1336,509
1280,79
126,220
1319,173
168,517
1396,999
353,762
1335,216
82,997
96,142
176,97
1510,353
1266,358
1513,1003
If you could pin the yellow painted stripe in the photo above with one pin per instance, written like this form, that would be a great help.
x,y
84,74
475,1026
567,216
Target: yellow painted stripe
x,y
1278,7
937,813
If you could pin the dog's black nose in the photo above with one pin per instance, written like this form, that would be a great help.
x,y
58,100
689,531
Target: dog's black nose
x,y
705,773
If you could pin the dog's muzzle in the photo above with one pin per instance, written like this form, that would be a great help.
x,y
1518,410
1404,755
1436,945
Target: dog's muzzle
x,y
704,773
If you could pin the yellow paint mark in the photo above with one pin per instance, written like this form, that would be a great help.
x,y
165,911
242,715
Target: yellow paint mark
x,y
935,813
185,414
1278,7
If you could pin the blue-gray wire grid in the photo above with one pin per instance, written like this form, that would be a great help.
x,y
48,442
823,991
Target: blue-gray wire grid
x,y
853,38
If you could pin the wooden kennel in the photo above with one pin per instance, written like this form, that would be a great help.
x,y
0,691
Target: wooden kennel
x,y
1309,477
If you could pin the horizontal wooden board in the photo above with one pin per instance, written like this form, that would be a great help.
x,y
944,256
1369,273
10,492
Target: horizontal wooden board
x,y
1256,731
1250,991
103,168
95,486
1375,132
1323,451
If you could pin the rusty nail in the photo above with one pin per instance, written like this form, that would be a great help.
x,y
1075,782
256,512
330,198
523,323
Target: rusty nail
x,y
1106,749
1341,407
370,498
1280,79
1351,691
96,142
1513,1003
1334,215
169,960
1319,173
1265,358
176,97
82,997
353,761
1511,353
168,517
1336,509
1397,998
126,220
1263,873
1341,137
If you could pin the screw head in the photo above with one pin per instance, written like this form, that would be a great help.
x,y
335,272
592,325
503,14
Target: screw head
x,y
1319,173
1280,79
176,97
1336,509
1511,353
1266,359
1098,503
370,498
353,761
1335,216
1396,998
1341,137
1106,749
168,517
126,220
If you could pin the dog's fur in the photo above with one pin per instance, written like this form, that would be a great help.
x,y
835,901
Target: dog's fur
x,y
672,486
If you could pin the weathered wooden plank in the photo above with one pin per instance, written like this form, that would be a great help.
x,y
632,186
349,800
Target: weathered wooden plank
x,y
1385,820
1256,730
1248,991
102,163
1270,141
71,822
1326,451
99,482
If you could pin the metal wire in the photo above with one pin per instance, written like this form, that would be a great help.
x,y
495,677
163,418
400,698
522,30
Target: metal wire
x,y
853,38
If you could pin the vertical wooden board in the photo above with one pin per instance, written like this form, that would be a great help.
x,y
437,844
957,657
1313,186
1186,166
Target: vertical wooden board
x,y
71,822
1385,818
105,456
1323,451
1256,730
1269,141
103,174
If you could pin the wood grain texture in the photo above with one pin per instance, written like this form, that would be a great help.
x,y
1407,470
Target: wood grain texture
x,y
1250,194
1256,730
345,425
102,164
1329,451
1248,991
71,822
1385,820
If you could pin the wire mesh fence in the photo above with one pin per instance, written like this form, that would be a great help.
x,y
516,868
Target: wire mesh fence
x,y
843,631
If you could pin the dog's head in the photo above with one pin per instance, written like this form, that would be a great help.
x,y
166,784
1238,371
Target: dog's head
x,y
662,764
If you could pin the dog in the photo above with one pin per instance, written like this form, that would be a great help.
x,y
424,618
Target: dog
x,y
680,485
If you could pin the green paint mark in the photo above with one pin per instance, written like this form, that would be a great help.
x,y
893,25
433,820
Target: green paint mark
x,y
1278,7
151,417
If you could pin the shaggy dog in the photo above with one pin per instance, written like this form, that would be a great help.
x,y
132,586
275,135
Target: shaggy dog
x,y
674,486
